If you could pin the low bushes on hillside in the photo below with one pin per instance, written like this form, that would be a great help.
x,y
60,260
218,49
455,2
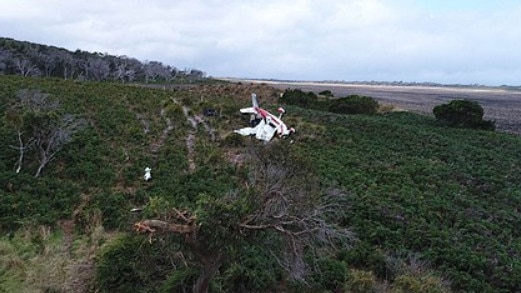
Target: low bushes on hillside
x,y
427,203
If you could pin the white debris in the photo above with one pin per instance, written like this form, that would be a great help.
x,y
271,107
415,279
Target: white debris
x,y
147,175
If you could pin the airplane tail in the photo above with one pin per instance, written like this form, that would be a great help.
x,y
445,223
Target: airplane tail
x,y
254,102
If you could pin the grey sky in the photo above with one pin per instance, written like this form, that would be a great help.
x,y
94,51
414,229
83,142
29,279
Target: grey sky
x,y
445,41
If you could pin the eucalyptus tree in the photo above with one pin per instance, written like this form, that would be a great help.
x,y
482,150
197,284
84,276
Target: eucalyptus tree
x,y
25,67
97,68
154,70
125,68
48,62
4,59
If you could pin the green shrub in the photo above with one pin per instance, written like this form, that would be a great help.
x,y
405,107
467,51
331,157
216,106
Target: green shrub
x,y
354,104
463,113
27,200
418,284
180,280
365,257
254,271
131,264
361,281
233,140
413,274
326,93
330,275
114,209
298,98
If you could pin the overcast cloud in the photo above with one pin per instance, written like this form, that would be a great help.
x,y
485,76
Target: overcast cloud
x,y
445,41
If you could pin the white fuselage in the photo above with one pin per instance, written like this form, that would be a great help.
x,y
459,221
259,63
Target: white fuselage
x,y
268,126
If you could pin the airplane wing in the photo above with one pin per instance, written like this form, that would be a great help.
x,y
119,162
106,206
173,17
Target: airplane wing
x,y
263,131
250,130
254,106
249,110
246,131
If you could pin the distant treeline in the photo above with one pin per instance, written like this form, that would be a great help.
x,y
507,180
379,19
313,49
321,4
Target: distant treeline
x,y
30,59
401,83
430,84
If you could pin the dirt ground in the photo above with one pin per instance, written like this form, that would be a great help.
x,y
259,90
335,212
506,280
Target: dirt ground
x,y
500,105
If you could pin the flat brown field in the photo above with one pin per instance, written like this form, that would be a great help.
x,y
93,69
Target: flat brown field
x,y
500,105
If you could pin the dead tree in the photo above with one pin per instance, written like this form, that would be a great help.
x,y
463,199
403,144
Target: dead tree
x,y
25,67
15,120
276,198
51,139
38,123
22,149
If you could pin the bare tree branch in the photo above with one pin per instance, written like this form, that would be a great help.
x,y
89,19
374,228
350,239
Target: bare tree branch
x,y
22,148
38,122
283,201
51,140
151,225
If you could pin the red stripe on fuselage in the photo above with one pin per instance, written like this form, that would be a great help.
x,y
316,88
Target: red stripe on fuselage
x,y
264,114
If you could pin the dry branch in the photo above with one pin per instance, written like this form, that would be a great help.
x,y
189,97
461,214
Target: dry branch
x,y
152,225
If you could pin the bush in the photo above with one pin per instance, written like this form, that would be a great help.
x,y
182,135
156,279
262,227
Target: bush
x,y
233,140
255,271
299,98
361,281
366,258
463,113
131,264
354,104
424,284
326,93
331,275
180,280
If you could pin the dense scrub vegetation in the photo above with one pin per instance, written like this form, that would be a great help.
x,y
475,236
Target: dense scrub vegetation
x,y
463,113
449,194
352,104
433,208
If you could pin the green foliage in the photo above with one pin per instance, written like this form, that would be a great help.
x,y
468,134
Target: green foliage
x,y
367,257
415,284
41,126
180,280
354,104
131,264
330,276
449,194
463,113
254,270
417,187
40,259
109,154
361,281
326,93
217,218
114,209
233,141
299,98
411,273
26,200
